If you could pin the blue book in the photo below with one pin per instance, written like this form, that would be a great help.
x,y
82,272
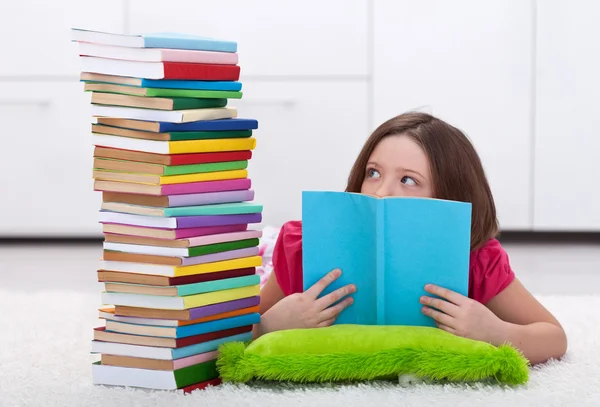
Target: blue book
x,y
389,248
165,83
188,330
179,353
166,40
194,85
210,125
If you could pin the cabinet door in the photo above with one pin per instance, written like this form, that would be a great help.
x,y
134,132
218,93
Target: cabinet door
x,y
46,161
467,62
274,37
308,138
35,35
567,139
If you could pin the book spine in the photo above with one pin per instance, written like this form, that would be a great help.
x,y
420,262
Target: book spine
x,y
380,282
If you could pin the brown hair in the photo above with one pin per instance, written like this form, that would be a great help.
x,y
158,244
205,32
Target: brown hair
x,y
456,170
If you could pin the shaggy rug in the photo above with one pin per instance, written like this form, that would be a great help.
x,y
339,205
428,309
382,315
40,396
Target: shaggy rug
x,y
45,360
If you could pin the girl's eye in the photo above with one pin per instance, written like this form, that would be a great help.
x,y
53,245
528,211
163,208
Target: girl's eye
x,y
373,173
408,181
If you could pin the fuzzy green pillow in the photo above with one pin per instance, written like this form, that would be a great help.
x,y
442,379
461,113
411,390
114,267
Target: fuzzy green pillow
x,y
368,352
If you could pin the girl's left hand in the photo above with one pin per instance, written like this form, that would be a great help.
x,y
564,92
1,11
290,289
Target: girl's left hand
x,y
461,315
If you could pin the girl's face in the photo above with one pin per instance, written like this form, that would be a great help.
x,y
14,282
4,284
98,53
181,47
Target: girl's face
x,y
398,166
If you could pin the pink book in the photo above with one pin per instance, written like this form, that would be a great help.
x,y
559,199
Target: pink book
x,y
171,234
194,360
205,186
157,54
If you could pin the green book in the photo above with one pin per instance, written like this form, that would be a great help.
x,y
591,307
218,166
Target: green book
x,y
147,168
189,103
208,135
197,288
154,379
161,92
221,247
237,208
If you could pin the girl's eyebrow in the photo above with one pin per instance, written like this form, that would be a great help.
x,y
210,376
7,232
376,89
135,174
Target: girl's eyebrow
x,y
373,163
407,170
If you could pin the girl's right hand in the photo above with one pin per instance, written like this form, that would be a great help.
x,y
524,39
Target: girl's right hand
x,y
306,310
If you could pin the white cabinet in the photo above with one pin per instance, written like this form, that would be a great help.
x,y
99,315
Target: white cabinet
x,y
468,62
567,137
275,37
46,161
35,35
308,138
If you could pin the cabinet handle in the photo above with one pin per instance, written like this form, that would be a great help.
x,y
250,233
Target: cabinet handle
x,y
287,103
25,102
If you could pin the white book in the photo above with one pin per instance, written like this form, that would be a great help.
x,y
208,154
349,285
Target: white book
x,y
136,351
139,321
153,250
139,268
169,116
179,303
176,271
157,54
133,377
152,352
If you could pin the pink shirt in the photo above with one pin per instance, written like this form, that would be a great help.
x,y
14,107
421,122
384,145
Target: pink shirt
x,y
489,268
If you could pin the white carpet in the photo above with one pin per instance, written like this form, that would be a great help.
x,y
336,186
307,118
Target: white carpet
x,y
45,360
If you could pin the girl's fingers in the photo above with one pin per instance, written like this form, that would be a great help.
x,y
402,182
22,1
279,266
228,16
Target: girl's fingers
x,y
438,316
445,328
449,295
335,296
327,322
315,290
333,312
442,305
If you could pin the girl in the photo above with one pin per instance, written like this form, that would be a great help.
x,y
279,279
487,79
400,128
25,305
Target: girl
x,y
416,154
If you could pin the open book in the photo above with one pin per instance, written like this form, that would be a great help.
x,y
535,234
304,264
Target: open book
x,y
389,248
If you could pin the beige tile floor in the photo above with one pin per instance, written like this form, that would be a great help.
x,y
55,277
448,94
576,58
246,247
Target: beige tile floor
x,y
547,269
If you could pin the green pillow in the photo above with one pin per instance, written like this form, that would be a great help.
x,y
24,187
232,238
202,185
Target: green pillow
x,y
369,352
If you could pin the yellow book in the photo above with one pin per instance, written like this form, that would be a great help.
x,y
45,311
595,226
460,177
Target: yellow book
x,y
173,147
151,179
179,303
180,271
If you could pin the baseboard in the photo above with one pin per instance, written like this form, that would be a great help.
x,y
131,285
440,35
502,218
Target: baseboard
x,y
49,240
508,236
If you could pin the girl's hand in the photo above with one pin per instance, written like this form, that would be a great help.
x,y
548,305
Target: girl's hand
x,y
306,310
462,316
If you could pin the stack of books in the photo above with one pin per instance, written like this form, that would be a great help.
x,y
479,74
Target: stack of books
x,y
170,159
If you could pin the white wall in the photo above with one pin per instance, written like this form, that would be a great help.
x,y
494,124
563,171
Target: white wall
x,y
518,76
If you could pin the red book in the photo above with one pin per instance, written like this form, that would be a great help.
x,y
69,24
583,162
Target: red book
x,y
204,72
160,70
106,276
172,159
202,385
101,334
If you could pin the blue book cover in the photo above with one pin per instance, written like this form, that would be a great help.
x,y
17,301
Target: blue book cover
x,y
185,41
181,84
206,327
389,248
209,346
168,40
210,125
193,85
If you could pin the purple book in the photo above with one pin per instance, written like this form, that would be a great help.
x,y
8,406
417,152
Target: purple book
x,y
206,186
216,220
228,255
208,310
178,222
210,198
